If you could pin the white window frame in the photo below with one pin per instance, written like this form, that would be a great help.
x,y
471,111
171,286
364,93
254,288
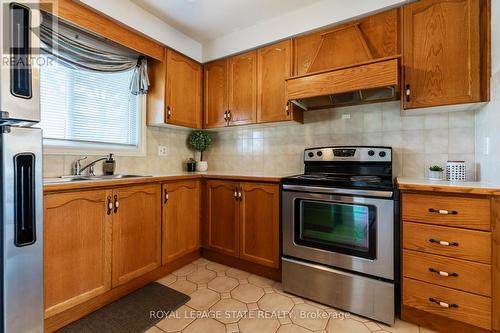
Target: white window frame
x,y
69,147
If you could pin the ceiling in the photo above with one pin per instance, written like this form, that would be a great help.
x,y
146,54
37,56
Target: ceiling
x,y
206,20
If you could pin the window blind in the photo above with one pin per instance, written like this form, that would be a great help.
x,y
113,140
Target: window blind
x,y
84,106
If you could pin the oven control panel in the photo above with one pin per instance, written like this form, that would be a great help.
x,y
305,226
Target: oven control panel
x,y
348,154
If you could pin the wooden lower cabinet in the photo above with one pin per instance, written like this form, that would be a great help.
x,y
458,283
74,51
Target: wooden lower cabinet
x,y
77,248
136,232
181,219
243,220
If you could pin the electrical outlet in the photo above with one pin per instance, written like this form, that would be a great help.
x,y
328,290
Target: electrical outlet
x,y
346,116
162,151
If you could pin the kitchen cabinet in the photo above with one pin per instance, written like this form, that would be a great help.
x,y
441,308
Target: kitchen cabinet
x,y
242,88
136,232
446,52
243,220
273,67
175,93
181,219
77,248
215,94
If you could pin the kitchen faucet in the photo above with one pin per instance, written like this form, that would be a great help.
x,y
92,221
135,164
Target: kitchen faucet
x,y
77,168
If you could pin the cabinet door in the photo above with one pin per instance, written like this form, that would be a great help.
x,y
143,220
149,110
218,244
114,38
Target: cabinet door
x,y
136,231
215,97
222,217
181,219
274,65
259,223
441,53
183,95
77,248
242,88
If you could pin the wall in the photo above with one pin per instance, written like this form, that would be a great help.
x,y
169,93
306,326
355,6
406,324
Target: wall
x,y
488,118
174,139
418,141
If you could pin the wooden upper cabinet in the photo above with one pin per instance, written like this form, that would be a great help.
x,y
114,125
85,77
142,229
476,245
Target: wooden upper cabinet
x,y
222,216
273,67
259,223
181,219
136,232
444,46
183,96
368,39
215,94
174,96
242,88
77,244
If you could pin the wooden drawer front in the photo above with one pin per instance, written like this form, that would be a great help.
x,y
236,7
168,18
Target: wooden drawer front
x,y
470,213
472,309
472,245
464,275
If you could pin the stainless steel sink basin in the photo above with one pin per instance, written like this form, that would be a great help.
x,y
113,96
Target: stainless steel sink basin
x,y
122,176
68,179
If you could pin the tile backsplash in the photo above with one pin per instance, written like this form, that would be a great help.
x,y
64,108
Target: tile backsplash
x,y
418,141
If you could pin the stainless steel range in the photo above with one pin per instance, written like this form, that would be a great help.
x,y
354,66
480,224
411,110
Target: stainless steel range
x,y
338,222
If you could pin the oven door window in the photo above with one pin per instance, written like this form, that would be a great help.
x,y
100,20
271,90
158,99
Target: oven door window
x,y
337,227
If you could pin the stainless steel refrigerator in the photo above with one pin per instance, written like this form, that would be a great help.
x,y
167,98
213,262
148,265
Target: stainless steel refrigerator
x,y
21,170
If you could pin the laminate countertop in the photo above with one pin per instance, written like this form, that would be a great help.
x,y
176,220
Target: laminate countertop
x,y
57,184
422,184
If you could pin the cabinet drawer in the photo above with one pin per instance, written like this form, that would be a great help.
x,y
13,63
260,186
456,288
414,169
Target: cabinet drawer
x,y
470,213
468,308
464,244
464,275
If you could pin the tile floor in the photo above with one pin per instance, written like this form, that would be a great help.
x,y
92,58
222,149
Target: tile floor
x,y
224,299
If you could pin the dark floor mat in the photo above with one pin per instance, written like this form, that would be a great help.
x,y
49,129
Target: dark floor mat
x,y
130,314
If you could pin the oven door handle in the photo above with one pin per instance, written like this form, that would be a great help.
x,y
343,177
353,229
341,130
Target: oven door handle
x,y
328,190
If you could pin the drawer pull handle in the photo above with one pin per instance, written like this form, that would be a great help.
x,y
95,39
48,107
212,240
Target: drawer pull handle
x,y
442,273
444,243
443,304
443,211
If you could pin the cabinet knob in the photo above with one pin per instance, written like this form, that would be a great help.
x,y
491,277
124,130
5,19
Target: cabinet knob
x,y
442,273
443,211
287,108
169,112
408,93
165,196
442,242
110,206
443,304
117,203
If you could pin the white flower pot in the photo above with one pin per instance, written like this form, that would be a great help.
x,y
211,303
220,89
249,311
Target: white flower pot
x,y
201,166
435,175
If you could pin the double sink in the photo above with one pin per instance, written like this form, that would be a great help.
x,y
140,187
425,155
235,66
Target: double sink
x,y
69,179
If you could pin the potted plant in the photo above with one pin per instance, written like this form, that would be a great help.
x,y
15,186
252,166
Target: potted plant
x,y
191,164
435,172
200,141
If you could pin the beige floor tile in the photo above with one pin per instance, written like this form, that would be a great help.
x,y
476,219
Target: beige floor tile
x,y
205,325
258,325
184,286
292,328
185,270
223,284
237,274
230,310
167,280
247,293
253,306
346,326
182,319
400,327
203,299
232,328
309,316
275,302
201,262
426,330
216,267
154,329
202,275
260,281
372,326
285,320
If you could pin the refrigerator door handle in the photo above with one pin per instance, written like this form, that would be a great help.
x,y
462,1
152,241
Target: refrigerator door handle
x,y
24,199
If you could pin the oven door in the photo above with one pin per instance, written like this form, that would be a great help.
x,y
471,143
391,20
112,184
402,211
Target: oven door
x,y
352,232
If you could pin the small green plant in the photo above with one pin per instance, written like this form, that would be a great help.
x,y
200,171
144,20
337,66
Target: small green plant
x,y
190,160
200,141
435,168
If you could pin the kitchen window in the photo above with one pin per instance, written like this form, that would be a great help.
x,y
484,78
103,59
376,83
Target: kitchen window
x,y
89,110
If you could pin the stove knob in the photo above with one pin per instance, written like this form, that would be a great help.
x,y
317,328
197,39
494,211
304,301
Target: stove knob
x,y
371,153
310,154
319,153
381,154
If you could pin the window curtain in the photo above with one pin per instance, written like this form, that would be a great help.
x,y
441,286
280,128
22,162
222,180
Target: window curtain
x,y
76,48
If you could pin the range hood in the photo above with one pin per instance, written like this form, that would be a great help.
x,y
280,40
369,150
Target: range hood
x,y
369,82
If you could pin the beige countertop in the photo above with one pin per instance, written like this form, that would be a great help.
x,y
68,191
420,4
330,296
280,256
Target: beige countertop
x,y
57,184
422,184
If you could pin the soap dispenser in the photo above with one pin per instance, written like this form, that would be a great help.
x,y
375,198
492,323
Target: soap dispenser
x,y
109,165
